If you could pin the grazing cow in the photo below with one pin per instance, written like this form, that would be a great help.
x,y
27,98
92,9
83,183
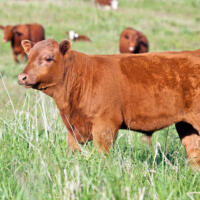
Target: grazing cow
x,y
76,37
15,34
99,94
108,4
133,41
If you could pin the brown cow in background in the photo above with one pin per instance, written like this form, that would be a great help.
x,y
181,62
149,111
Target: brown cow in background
x,y
73,36
15,34
113,4
133,41
99,94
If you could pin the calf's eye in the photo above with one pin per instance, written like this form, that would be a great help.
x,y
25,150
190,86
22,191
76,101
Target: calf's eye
x,y
49,59
126,36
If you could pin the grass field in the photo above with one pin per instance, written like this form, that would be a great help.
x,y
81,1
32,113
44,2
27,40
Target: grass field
x,y
35,163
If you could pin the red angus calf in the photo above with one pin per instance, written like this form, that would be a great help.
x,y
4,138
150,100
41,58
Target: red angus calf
x,y
99,94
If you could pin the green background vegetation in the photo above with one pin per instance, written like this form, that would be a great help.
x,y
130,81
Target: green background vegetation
x,y
35,162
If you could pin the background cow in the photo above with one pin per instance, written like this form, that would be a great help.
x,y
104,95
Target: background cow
x,y
76,37
133,41
113,4
97,95
15,34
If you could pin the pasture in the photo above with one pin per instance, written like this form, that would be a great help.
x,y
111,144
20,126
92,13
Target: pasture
x,y
35,162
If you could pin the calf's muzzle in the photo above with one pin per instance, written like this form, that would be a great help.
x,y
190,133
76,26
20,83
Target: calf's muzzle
x,y
22,78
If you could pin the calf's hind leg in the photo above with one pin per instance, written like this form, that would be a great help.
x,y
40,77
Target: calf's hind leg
x,y
190,139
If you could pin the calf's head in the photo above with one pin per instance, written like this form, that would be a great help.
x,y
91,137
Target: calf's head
x,y
9,32
129,41
45,67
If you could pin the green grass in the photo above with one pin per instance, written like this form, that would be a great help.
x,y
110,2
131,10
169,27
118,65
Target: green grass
x,y
35,162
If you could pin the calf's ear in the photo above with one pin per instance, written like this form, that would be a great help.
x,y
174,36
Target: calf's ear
x,y
1,27
27,45
64,47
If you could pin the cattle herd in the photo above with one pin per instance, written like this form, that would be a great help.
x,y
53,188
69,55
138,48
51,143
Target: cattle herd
x,y
131,40
99,94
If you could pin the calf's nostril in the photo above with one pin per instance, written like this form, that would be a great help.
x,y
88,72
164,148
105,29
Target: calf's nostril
x,y
22,78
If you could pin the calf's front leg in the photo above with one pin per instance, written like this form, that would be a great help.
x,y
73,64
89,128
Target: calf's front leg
x,y
71,136
104,135
72,142
15,57
22,55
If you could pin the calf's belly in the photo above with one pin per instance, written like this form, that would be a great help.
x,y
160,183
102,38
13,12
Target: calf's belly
x,y
147,123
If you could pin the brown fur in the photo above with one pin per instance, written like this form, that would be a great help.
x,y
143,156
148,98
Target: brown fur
x,y
148,139
103,2
131,38
15,34
96,95
83,38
